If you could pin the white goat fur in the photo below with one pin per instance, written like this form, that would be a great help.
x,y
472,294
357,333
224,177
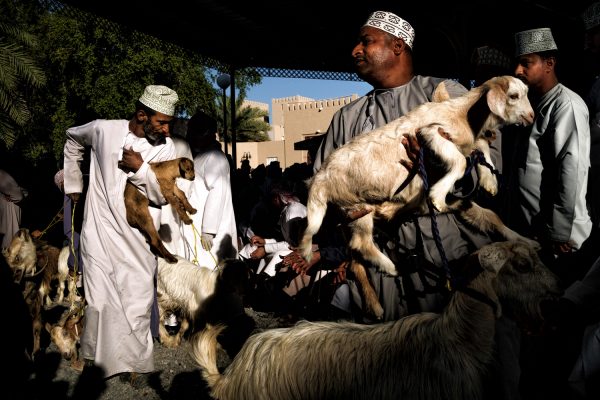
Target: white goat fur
x,y
366,172
422,356
182,288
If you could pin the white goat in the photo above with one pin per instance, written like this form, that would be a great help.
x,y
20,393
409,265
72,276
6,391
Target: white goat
x,y
185,288
181,289
367,172
422,356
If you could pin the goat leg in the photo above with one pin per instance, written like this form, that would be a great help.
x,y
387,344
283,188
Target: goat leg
x,y
362,242
370,300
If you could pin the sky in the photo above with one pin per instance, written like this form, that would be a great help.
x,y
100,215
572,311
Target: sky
x,y
274,88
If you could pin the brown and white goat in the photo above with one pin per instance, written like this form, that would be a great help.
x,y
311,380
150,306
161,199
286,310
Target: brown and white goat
x,y
29,258
136,203
368,171
66,334
184,289
422,356
36,266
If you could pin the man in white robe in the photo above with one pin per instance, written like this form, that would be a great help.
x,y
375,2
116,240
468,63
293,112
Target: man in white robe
x,y
10,212
119,266
211,193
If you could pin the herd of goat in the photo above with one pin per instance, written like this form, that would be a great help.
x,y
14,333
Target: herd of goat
x,y
421,356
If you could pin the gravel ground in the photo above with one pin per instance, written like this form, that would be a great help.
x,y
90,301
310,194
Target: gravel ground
x,y
176,375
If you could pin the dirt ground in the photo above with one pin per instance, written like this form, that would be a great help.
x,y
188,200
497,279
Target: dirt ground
x,y
176,375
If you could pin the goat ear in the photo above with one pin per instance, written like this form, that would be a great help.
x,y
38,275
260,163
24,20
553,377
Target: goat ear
x,y
496,100
493,256
440,93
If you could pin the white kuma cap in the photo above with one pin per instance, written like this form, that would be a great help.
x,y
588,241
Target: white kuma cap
x,y
160,99
534,41
392,24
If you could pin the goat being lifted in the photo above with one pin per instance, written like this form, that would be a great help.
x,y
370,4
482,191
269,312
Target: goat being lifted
x,y
422,356
136,204
368,171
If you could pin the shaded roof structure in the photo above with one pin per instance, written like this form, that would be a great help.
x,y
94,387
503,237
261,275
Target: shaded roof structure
x,y
315,39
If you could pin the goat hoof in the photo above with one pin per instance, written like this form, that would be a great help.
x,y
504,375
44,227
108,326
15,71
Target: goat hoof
x,y
388,267
439,206
376,311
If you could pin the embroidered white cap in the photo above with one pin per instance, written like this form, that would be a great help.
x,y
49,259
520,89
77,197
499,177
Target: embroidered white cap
x,y
591,16
59,179
160,99
534,41
393,24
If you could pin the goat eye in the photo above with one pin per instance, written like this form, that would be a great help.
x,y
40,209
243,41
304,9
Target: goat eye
x,y
521,265
514,96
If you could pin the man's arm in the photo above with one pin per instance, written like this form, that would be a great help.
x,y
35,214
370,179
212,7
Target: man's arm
x,y
78,138
571,135
218,184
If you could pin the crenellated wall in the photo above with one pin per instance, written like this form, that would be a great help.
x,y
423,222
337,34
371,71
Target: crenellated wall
x,y
294,119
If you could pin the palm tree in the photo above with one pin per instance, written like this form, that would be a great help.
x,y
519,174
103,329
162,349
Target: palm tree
x,y
249,121
18,75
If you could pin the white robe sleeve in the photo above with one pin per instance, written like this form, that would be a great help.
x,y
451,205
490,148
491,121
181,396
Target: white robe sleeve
x,y
216,179
78,138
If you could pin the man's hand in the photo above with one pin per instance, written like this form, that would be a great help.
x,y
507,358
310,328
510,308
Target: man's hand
x,y
411,144
131,161
257,241
562,247
258,253
298,263
74,197
207,240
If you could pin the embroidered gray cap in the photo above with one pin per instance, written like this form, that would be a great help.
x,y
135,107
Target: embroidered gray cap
x,y
591,16
534,41
393,24
160,99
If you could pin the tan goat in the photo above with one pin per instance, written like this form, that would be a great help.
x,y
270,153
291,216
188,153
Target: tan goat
x,y
66,334
424,356
136,204
367,172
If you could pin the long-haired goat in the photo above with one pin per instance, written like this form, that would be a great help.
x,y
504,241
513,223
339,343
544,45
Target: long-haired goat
x,y
422,356
368,172
185,289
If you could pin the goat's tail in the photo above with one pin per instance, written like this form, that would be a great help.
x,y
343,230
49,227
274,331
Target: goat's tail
x,y
316,206
204,352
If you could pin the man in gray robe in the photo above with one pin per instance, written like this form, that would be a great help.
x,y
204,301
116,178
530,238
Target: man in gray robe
x,y
554,159
119,266
383,58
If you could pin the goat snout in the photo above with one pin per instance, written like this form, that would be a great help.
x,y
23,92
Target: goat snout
x,y
528,118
